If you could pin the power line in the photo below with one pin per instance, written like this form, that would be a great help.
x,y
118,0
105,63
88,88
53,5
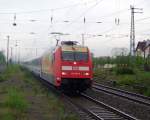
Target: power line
x,y
83,14
111,14
142,19
86,22
46,10
120,11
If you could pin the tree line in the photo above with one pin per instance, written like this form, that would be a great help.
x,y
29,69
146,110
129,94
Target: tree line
x,y
2,58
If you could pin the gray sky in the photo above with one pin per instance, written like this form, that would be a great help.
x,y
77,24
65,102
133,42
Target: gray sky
x,y
34,16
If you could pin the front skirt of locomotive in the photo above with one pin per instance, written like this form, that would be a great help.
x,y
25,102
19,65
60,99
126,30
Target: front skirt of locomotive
x,y
75,84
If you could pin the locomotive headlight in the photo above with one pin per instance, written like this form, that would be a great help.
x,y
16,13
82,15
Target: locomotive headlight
x,y
86,74
64,73
58,78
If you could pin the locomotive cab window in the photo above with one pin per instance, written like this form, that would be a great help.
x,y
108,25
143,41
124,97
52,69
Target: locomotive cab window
x,y
81,56
67,56
74,56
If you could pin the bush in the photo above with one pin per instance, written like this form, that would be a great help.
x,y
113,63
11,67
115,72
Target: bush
x,y
15,100
147,67
2,58
147,93
9,72
2,78
124,70
7,116
127,80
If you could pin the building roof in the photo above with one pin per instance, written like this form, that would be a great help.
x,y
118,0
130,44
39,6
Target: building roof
x,y
143,45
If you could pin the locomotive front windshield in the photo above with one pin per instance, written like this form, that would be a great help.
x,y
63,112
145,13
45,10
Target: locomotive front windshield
x,y
74,56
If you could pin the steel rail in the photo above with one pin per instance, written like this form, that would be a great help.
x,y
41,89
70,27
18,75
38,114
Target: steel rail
x,y
114,110
121,93
92,114
88,112
131,93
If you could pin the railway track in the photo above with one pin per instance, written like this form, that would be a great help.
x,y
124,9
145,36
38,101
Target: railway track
x,y
106,112
93,109
121,93
98,110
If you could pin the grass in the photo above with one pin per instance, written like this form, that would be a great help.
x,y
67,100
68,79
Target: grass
x,y
7,115
20,92
147,92
16,100
9,72
55,106
14,104
138,82
126,80
2,78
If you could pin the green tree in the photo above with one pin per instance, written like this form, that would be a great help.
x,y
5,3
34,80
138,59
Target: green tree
x,y
2,58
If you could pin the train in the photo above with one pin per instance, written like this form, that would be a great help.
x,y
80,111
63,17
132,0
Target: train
x,y
68,66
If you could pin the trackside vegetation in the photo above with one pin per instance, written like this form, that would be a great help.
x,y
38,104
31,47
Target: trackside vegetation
x,y
126,72
2,62
22,97
2,58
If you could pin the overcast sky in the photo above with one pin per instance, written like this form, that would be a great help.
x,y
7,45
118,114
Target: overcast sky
x,y
33,18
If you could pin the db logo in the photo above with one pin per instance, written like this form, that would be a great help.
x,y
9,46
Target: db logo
x,y
75,68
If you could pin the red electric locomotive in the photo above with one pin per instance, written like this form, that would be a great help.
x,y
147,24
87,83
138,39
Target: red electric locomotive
x,y
68,67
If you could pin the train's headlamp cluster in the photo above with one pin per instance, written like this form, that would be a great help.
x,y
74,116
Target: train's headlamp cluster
x,y
87,74
64,73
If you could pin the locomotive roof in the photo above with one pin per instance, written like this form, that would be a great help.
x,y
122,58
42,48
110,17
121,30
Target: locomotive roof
x,y
78,48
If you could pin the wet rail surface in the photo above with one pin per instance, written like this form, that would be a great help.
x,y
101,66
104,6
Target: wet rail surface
x,y
121,93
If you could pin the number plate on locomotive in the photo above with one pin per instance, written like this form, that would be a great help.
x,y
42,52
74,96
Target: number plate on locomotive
x,y
75,68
